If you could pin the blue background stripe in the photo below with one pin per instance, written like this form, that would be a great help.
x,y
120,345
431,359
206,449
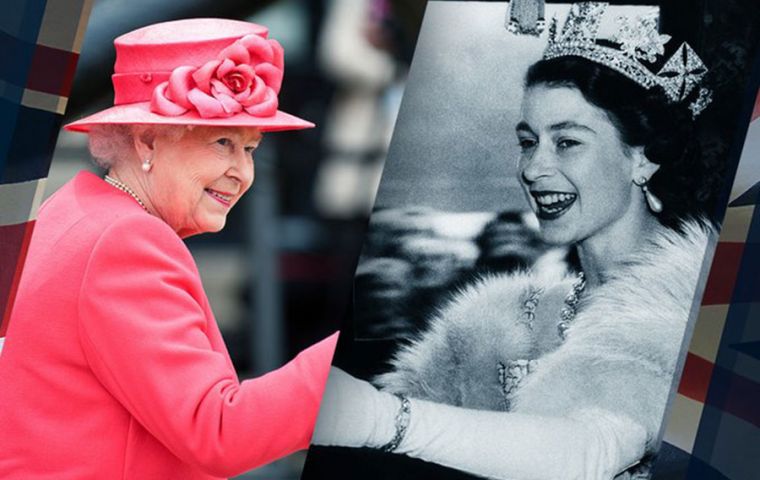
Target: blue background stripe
x,y
31,148
22,18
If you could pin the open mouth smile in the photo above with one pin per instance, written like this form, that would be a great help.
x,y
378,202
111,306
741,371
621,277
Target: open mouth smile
x,y
551,205
221,197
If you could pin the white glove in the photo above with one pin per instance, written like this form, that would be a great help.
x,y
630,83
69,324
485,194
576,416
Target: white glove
x,y
354,413
589,445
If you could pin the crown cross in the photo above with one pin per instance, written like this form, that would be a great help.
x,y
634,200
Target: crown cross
x,y
682,72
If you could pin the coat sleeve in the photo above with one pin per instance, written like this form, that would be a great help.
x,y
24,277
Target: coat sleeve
x,y
143,332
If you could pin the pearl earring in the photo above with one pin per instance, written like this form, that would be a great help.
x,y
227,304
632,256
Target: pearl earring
x,y
146,165
654,203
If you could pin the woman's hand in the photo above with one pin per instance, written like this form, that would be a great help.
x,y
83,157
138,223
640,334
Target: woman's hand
x,y
354,413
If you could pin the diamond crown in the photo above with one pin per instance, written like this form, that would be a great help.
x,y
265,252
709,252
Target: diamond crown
x,y
636,43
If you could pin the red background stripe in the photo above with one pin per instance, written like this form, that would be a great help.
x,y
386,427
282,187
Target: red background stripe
x,y
695,381
52,71
725,268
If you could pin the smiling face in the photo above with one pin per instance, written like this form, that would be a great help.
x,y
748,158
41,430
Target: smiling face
x,y
576,172
197,179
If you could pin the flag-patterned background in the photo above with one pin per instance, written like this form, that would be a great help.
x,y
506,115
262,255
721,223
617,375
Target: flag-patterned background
x,y
715,418
39,41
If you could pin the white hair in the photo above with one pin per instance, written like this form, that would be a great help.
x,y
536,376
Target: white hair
x,y
111,143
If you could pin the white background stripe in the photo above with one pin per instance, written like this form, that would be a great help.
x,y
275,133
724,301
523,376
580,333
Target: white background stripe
x,y
683,423
748,171
19,202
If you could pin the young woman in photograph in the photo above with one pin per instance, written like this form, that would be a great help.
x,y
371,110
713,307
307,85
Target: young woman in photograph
x,y
540,375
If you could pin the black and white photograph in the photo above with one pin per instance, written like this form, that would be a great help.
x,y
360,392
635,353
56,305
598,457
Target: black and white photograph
x,y
538,246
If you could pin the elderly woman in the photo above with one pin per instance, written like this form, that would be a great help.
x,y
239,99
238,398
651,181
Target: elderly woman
x,y
548,376
114,366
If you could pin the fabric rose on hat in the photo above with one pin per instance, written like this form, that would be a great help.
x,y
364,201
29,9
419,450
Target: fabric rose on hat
x,y
245,76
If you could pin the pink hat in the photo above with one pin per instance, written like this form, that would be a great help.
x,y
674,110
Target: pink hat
x,y
201,71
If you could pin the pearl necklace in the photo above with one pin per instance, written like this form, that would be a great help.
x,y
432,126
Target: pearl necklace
x,y
121,186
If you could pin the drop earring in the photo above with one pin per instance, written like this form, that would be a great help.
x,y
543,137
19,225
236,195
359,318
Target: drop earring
x,y
146,165
654,203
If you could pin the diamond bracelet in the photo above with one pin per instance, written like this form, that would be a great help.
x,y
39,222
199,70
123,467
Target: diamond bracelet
x,y
402,423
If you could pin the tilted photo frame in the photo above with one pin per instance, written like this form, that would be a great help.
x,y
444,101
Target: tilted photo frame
x,y
485,285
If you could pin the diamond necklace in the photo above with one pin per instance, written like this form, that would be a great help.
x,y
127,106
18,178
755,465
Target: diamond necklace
x,y
512,372
567,314
121,186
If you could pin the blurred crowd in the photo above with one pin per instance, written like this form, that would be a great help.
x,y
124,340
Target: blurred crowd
x,y
415,258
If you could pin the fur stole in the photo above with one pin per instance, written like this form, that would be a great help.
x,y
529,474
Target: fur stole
x,y
620,351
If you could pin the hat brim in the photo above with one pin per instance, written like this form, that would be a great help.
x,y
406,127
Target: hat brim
x,y
140,113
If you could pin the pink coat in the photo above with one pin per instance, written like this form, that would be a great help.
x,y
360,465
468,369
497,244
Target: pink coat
x,y
114,367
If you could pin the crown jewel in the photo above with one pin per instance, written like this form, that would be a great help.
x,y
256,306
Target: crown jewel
x,y
682,72
636,44
640,38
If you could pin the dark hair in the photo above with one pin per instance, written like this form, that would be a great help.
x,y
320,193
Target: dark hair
x,y
645,118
